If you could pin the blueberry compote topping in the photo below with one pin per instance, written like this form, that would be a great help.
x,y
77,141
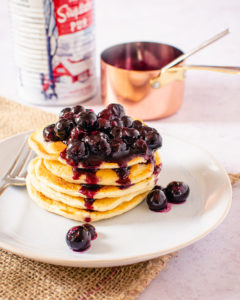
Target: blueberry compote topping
x,y
78,238
110,136
177,191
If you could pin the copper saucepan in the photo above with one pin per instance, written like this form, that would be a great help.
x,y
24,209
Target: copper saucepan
x,y
130,71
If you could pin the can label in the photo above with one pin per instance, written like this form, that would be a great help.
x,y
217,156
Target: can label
x,y
73,16
70,45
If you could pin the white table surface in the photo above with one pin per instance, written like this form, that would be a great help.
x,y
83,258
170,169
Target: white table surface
x,y
210,116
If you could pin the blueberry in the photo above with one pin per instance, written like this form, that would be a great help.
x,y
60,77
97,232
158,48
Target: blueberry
x,y
92,230
153,140
177,191
117,123
103,124
63,128
77,133
144,130
86,120
112,111
116,132
95,137
104,147
78,238
119,148
137,124
66,114
76,150
77,109
98,144
130,135
127,121
140,147
49,134
157,200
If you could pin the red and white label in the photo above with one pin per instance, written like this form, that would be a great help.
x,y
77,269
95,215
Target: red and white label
x,y
73,15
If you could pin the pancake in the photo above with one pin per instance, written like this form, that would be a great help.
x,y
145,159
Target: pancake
x,y
137,173
86,191
52,150
80,214
78,202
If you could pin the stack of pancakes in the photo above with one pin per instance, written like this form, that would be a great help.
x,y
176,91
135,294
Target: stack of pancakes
x,y
93,194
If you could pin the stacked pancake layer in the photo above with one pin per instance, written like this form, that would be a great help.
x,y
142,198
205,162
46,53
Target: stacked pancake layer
x,y
87,194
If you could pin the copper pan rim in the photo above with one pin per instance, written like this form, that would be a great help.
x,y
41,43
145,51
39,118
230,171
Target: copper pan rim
x,y
104,56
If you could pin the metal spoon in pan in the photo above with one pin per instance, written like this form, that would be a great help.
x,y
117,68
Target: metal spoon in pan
x,y
156,81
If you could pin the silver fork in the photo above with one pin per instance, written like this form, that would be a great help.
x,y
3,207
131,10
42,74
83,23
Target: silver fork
x,y
16,175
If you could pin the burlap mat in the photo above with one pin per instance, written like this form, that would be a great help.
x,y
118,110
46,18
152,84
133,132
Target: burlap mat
x,y
21,278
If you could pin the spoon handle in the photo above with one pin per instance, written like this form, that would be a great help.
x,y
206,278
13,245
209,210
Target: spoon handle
x,y
223,69
195,50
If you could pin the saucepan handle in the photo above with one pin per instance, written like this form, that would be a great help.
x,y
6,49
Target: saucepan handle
x,y
157,81
223,69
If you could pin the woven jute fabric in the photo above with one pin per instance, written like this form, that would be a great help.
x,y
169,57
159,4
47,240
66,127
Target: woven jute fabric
x,y
22,278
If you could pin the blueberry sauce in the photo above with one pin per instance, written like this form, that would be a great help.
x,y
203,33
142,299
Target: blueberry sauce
x,y
157,169
90,190
167,209
123,187
123,175
87,219
90,174
111,136
88,203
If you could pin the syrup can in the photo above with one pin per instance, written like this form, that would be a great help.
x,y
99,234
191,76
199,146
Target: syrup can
x,y
54,49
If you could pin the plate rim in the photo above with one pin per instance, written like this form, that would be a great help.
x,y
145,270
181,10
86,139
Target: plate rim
x,y
97,263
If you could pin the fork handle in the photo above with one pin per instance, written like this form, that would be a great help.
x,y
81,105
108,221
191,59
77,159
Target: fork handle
x,y
3,187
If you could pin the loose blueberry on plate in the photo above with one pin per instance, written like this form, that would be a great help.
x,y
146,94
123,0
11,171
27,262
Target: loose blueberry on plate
x,y
177,191
91,229
78,238
157,200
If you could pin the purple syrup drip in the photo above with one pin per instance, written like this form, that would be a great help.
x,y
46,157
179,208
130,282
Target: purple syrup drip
x,y
167,209
88,203
90,174
87,219
123,175
123,187
90,190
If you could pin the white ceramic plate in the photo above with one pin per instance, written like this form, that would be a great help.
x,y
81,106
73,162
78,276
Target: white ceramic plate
x,y
135,236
